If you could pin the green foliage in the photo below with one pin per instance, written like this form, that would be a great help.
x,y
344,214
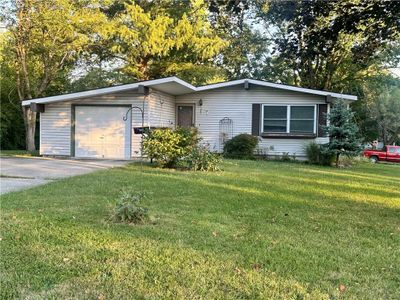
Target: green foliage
x,y
248,48
318,154
163,145
155,40
378,110
179,148
286,157
342,131
202,159
329,44
241,146
129,209
97,78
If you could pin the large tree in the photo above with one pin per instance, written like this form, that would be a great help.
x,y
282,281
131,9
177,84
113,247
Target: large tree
x,y
161,38
46,38
327,44
235,21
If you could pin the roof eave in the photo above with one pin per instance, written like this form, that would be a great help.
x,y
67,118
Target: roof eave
x,y
191,88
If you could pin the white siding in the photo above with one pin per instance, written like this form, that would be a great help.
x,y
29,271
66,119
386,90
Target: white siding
x,y
55,122
236,104
161,109
55,129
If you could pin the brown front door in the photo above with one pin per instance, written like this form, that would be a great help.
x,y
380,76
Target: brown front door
x,y
185,116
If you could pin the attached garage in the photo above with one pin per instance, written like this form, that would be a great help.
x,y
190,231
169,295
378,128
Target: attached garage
x,y
101,132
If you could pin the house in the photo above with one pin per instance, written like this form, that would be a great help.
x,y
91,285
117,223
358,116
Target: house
x,y
107,122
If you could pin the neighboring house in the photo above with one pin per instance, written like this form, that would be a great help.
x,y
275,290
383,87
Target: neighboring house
x,y
101,123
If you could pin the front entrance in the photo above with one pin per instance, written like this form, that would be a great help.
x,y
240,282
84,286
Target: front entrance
x,y
101,132
185,115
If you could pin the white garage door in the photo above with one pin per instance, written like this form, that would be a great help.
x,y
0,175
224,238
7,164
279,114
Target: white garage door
x,y
101,132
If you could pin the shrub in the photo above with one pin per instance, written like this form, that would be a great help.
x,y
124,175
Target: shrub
x,y
241,146
129,210
286,157
168,146
319,154
201,159
179,148
313,152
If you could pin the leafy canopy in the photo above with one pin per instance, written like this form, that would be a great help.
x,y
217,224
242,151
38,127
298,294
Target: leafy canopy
x,y
156,41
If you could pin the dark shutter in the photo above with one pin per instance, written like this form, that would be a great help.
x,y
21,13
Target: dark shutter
x,y
322,111
255,119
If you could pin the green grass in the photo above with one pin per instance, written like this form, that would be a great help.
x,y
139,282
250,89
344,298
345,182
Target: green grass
x,y
18,153
266,230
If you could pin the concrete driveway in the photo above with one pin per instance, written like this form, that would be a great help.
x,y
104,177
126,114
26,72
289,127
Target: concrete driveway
x,y
20,173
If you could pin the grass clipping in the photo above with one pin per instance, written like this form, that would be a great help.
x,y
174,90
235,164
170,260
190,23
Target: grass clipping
x,y
129,209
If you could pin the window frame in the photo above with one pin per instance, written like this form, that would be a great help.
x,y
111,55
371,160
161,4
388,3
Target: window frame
x,y
288,116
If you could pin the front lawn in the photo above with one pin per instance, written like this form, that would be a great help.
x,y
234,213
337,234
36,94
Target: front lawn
x,y
265,230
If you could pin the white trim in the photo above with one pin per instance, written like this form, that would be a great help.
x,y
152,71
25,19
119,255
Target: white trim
x,y
277,86
288,116
191,88
109,90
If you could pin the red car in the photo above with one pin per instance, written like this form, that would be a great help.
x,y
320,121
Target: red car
x,y
388,153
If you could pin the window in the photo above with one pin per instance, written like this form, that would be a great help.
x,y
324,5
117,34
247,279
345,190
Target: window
x,y
302,119
275,119
296,119
392,150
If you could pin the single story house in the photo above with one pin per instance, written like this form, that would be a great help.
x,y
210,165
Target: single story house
x,y
107,122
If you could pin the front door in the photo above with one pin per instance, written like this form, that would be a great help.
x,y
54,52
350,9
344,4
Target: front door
x,y
185,116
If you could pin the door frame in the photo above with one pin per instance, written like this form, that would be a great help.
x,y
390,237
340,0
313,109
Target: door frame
x,y
128,134
185,104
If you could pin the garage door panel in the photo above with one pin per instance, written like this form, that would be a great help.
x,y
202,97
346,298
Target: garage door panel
x,y
100,132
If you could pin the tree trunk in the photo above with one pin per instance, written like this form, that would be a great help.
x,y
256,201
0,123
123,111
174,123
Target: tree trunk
x,y
337,160
30,128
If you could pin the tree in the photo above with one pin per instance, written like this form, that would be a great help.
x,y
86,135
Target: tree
x,y
46,38
328,44
12,132
342,131
155,39
235,21
378,108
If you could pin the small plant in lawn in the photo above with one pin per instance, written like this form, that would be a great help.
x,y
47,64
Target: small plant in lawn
x,y
241,146
129,209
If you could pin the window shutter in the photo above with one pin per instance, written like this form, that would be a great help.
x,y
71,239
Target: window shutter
x,y
256,119
322,111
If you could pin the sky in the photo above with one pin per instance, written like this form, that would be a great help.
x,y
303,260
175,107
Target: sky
x,y
395,71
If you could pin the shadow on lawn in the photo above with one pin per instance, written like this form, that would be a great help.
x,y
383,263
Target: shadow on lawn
x,y
248,218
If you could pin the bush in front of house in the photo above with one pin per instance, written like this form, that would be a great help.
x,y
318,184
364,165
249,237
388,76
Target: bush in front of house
x,y
241,146
201,159
179,148
167,146
129,209
319,154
